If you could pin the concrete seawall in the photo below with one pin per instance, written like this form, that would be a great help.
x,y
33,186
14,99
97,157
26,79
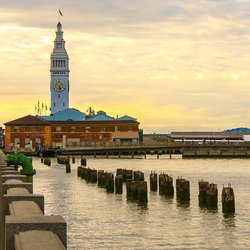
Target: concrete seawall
x,y
23,224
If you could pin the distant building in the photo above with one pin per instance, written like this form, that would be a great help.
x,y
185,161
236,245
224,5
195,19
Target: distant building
x,y
1,137
71,128
209,136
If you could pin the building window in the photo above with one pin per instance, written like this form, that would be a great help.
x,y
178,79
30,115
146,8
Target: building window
x,y
103,128
27,129
54,104
100,136
64,104
87,129
59,96
16,129
129,128
117,128
38,129
58,128
73,129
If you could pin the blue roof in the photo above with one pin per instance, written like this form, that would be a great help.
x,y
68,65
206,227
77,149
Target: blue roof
x,y
65,115
101,116
126,118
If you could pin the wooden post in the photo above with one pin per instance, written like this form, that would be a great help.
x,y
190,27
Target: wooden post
x,y
153,181
128,188
166,185
138,176
68,168
110,183
118,184
202,192
182,189
212,196
93,176
83,162
139,191
73,159
79,171
228,200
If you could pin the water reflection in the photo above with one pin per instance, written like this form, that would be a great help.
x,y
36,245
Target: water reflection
x,y
229,220
182,204
140,206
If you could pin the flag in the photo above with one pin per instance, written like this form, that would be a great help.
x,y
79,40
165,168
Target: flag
x,y
60,12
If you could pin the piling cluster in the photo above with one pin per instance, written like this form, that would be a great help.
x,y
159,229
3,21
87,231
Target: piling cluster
x,y
136,186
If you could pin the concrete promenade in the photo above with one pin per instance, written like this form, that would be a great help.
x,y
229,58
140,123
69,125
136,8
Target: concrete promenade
x,y
23,224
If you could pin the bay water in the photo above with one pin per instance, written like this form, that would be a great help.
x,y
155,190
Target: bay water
x,y
98,220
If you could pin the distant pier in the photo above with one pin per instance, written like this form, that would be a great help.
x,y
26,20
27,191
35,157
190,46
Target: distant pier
x,y
187,150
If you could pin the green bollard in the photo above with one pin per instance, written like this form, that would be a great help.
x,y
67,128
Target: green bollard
x,y
26,163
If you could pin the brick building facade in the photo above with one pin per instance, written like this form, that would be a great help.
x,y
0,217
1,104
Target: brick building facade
x,y
32,132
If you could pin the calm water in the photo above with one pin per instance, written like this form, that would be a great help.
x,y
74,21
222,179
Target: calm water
x,y
97,220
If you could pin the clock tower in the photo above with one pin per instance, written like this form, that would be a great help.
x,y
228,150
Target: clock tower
x,y
59,74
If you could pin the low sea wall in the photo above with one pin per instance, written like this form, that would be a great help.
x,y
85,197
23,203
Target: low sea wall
x,y
23,224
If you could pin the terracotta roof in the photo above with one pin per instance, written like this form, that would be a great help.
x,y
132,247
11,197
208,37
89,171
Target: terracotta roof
x,y
27,120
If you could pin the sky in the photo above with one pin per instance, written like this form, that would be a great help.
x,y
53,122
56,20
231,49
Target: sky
x,y
175,65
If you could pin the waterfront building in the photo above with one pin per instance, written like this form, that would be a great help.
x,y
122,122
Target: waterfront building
x,y
34,132
68,127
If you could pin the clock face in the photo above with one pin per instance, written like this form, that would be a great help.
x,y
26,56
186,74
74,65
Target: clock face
x,y
59,85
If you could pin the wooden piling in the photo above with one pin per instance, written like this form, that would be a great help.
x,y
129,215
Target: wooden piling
x,y
83,162
68,168
139,191
63,159
128,187
79,170
101,178
153,181
110,184
202,192
182,189
118,184
47,162
126,174
138,176
119,171
166,185
228,200
94,176
212,196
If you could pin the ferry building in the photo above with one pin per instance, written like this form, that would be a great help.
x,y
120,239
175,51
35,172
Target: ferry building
x,y
66,126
